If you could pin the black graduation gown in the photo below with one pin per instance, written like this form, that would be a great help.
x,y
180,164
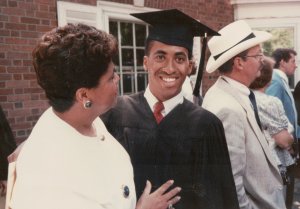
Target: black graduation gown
x,y
187,146
7,144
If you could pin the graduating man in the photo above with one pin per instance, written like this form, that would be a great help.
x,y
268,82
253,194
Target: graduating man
x,y
167,136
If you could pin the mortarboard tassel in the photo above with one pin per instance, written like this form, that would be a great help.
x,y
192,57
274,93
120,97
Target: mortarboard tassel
x,y
196,91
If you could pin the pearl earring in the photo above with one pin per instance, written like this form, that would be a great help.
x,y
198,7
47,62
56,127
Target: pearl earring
x,y
87,104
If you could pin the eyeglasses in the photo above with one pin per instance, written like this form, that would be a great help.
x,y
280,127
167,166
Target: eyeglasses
x,y
256,56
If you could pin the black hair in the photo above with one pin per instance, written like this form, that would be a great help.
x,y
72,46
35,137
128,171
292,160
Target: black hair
x,y
282,54
71,57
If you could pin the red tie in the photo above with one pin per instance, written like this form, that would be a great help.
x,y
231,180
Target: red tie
x,y
158,107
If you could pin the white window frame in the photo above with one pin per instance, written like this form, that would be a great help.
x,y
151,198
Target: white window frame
x,y
99,17
120,12
77,13
272,14
282,23
100,14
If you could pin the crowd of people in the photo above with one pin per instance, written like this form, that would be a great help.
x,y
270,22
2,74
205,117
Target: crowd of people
x,y
156,149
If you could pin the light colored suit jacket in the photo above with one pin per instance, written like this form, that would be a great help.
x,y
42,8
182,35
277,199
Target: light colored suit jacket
x,y
257,179
280,89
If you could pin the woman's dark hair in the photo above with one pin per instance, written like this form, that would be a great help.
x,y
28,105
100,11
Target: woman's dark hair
x,y
71,57
265,74
282,54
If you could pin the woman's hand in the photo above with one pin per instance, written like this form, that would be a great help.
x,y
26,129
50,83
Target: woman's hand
x,y
158,199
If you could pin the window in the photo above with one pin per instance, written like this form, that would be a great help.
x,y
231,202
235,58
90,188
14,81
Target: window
x,y
279,17
282,37
129,63
130,32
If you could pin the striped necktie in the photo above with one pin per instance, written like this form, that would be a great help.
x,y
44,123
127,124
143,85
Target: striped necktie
x,y
158,107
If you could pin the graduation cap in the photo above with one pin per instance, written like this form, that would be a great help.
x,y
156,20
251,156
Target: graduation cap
x,y
174,27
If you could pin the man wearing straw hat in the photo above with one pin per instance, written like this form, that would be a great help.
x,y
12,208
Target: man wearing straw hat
x,y
238,56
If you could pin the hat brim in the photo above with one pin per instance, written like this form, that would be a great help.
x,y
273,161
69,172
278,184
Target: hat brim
x,y
260,36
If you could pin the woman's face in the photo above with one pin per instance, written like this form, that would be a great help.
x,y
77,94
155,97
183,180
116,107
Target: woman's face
x,y
104,96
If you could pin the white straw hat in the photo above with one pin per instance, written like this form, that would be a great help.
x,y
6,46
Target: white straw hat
x,y
235,38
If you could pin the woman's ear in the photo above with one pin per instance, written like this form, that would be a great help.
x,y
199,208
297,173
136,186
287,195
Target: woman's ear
x,y
81,95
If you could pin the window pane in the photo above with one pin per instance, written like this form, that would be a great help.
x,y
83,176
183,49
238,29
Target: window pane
x,y
140,34
140,56
128,83
140,69
142,81
113,28
127,57
126,34
125,64
281,38
116,60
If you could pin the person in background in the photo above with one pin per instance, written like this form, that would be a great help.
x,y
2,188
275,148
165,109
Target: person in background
x,y
70,161
7,146
238,56
285,65
275,124
166,135
297,100
187,86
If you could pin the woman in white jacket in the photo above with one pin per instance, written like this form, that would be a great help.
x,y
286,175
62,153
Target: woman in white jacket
x,y
70,161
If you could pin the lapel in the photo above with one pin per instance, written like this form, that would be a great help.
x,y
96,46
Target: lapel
x,y
291,99
287,89
250,117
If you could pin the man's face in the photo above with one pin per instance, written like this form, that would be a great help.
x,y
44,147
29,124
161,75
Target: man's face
x,y
290,66
252,64
167,68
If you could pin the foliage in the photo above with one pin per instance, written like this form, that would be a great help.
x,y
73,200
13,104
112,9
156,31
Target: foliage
x,y
281,38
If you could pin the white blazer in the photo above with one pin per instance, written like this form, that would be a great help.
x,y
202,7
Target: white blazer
x,y
257,179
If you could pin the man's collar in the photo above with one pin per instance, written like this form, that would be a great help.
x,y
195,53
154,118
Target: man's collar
x,y
241,87
282,75
169,104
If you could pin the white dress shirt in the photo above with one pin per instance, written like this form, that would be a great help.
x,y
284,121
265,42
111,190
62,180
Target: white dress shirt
x,y
169,105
